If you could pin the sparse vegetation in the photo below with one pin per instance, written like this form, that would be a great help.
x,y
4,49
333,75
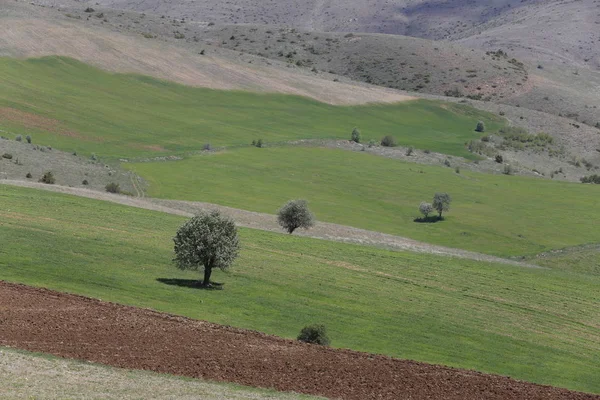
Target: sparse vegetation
x,y
591,179
314,334
208,240
48,178
295,214
113,188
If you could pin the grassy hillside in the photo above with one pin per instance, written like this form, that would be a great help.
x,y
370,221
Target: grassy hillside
x,y
537,325
69,105
495,214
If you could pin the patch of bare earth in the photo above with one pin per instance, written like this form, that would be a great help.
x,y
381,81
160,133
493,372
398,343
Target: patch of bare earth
x,y
268,222
33,376
82,328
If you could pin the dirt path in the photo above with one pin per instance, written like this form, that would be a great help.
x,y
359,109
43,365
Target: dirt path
x,y
77,327
267,222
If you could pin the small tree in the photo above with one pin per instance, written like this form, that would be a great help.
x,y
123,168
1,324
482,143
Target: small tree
x,y
295,214
425,209
355,137
388,141
441,202
480,127
208,240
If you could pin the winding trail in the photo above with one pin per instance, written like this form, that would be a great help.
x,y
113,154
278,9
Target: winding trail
x,y
268,222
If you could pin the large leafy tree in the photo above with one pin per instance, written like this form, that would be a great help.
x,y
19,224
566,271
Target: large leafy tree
x,y
208,240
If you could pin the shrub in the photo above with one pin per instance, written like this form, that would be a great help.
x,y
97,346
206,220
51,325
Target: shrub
x,y
207,147
28,138
8,156
295,214
28,176
388,141
447,163
259,143
355,137
94,157
499,159
19,138
315,334
409,151
427,151
457,169
507,170
480,127
48,178
372,143
113,188
89,10
85,182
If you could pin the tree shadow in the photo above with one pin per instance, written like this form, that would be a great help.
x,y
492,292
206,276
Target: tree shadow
x,y
190,283
429,220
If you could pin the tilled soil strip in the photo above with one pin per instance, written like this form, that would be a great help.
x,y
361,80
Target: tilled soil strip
x,y
78,327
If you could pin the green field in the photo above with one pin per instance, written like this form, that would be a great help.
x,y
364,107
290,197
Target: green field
x,y
531,324
121,116
495,214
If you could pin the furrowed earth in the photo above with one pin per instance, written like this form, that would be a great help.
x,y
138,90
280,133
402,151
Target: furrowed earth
x,y
82,328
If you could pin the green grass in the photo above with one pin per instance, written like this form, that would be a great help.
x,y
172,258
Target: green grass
x,y
495,214
120,116
580,259
536,325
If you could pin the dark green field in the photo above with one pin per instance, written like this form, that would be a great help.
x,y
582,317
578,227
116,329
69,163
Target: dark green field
x,y
532,324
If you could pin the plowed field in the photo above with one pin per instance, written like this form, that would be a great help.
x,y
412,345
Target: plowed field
x,y
78,327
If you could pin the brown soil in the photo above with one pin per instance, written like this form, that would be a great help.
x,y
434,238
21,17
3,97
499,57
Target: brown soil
x,y
78,327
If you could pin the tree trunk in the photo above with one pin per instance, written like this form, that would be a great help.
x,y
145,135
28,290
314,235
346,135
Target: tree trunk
x,y
440,215
207,272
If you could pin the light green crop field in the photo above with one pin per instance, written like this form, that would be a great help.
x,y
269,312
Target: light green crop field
x,y
539,325
495,214
121,116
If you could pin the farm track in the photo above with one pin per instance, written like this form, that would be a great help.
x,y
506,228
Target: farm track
x,y
267,222
72,326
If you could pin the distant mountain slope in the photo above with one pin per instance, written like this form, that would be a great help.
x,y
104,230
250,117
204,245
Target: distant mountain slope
x,y
30,31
